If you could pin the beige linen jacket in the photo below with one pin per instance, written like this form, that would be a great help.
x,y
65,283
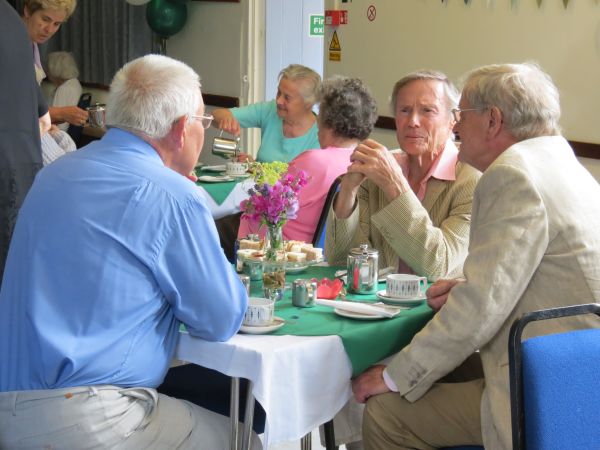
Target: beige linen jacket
x,y
431,237
535,244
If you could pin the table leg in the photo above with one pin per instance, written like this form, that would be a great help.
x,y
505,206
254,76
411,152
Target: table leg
x,y
234,413
306,442
248,417
329,436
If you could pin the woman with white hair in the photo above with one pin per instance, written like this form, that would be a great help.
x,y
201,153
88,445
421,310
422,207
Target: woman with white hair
x,y
288,124
63,74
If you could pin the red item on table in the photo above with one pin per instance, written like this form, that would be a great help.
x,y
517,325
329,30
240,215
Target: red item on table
x,y
328,289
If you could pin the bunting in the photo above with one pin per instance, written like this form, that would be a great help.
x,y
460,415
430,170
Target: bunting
x,y
514,2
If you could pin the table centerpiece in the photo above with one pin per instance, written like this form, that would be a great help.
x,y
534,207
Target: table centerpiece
x,y
273,200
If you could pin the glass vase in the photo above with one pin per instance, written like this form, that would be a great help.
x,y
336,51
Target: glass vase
x,y
274,264
274,243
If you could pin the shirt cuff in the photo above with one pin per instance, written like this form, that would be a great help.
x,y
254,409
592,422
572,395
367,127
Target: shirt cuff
x,y
389,382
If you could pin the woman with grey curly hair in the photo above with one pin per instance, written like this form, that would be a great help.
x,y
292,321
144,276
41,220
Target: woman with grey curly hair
x,y
347,114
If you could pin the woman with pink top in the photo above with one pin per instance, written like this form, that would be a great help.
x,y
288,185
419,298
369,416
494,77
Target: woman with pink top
x,y
347,114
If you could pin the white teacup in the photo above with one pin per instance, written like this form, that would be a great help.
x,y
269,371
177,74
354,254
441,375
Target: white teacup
x,y
259,312
404,285
235,168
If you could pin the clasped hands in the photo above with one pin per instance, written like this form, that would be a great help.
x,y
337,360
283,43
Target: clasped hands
x,y
372,160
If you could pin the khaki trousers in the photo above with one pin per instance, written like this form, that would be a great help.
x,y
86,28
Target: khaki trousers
x,y
447,415
108,417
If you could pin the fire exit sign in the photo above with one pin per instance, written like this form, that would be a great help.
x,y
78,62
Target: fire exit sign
x,y
317,25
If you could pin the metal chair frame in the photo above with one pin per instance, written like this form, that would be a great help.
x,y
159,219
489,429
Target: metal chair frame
x,y
323,217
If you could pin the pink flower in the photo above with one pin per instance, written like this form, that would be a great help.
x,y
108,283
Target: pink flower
x,y
274,205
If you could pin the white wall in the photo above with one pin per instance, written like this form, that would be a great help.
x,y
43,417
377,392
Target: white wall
x,y
454,37
212,43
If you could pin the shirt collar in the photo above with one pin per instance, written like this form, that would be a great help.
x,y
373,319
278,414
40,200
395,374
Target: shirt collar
x,y
118,137
443,168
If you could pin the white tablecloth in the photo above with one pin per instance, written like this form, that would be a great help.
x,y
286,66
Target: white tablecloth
x,y
300,381
231,205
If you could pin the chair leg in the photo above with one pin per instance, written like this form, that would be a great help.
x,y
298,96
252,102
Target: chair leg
x,y
329,436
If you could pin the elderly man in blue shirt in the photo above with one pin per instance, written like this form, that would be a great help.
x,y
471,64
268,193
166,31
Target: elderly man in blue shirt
x,y
113,249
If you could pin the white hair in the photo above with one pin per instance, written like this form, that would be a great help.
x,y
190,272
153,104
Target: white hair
x,y
147,95
525,94
310,81
450,91
62,65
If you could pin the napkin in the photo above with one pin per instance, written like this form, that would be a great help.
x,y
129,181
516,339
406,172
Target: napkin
x,y
361,308
327,288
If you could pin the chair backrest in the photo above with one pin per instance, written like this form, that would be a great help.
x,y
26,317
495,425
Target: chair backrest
x,y
74,130
554,384
318,239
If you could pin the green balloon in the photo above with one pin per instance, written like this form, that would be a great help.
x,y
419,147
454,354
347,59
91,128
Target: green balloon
x,y
165,17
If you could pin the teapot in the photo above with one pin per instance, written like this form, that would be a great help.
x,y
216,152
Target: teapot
x,y
226,147
362,270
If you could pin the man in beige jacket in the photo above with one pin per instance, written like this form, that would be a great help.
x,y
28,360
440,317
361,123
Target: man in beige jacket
x,y
534,244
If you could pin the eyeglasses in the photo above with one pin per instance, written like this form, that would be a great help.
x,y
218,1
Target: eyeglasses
x,y
457,112
206,120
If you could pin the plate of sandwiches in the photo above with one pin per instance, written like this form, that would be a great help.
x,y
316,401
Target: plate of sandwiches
x,y
296,255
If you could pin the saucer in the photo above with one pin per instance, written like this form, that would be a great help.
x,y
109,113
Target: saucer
x,y
277,323
211,179
410,301
238,175
218,168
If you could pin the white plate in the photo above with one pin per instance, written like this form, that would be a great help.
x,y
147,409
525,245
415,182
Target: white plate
x,y
296,269
242,175
211,179
413,301
356,315
278,322
219,168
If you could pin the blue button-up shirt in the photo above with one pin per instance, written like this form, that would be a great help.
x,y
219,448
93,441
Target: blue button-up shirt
x,y
111,252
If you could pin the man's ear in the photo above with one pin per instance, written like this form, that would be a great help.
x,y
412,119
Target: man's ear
x,y
178,132
495,123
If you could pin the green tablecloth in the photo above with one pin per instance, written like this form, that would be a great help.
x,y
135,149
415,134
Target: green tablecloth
x,y
218,191
366,342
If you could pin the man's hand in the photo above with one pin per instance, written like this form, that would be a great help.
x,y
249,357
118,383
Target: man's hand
x,y
438,293
374,161
369,383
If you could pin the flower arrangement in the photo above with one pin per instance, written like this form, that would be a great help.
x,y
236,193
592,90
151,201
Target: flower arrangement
x,y
274,197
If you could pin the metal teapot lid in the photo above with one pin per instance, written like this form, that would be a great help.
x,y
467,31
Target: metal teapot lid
x,y
364,250
97,107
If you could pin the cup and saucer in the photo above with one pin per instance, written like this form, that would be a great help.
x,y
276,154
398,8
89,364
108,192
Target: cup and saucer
x,y
236,169
260,318
404,290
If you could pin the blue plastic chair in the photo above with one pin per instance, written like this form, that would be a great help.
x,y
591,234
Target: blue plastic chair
x,y
554,384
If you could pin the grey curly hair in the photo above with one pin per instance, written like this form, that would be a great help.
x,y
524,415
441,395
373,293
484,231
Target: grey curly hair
x,y
347,107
